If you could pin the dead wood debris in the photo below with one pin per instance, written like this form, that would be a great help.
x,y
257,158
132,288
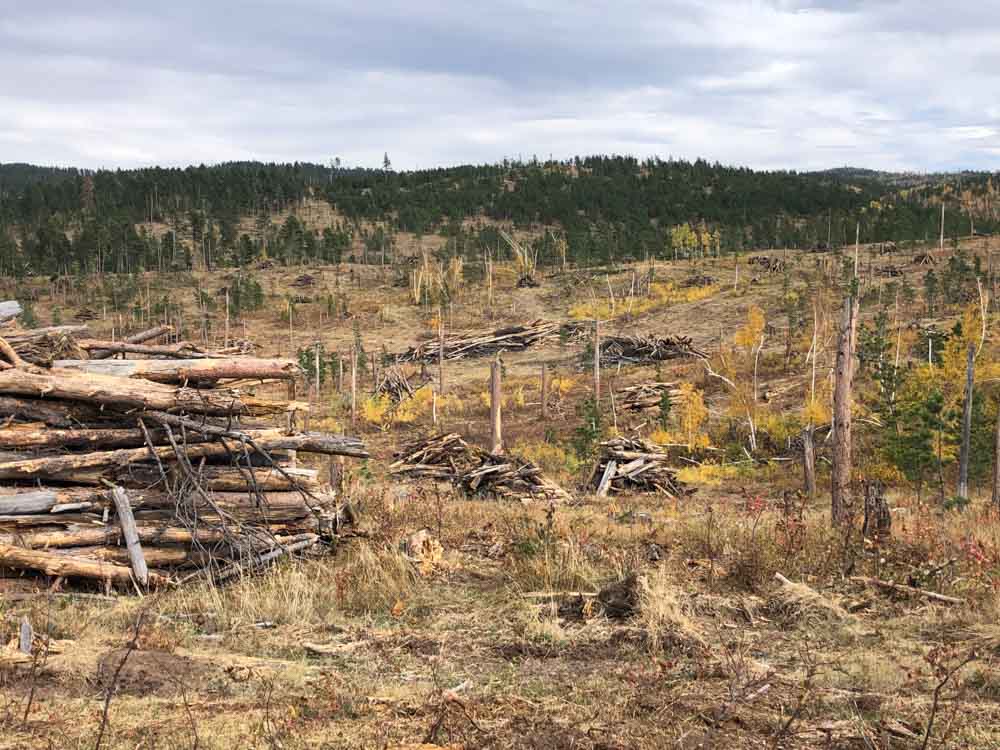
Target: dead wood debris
x,y
637,465
180,473
472,344
647,349
771,265
647,396
477,471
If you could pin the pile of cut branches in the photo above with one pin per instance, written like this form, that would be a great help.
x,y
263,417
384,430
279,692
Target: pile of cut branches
x,y
636,465
646,349
449,458
394,385
473,344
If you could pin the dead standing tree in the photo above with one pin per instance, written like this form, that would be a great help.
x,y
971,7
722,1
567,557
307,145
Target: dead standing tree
x,y
841,508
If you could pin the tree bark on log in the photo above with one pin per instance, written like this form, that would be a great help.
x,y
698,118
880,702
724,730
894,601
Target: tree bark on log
x,y
52,412
147,335
87,468
840,500
108,390
181,370
65,566
20,437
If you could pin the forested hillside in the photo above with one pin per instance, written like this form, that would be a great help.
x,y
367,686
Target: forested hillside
x,y
605,208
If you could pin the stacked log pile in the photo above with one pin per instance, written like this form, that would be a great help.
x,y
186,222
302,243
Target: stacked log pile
x,y
646,349
478,472
648,396
636,465
473,344
147,471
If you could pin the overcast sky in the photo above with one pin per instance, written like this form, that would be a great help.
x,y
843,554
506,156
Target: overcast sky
x,y
911,84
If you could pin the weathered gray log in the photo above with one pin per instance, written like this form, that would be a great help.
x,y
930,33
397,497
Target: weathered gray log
x,y
605,483
26,636
180,350
180,370
127,522
9,309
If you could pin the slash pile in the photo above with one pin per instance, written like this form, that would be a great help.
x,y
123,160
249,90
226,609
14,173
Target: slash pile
x,y
636,465
449,458
150,470
394,385
648,396
471,344
644,349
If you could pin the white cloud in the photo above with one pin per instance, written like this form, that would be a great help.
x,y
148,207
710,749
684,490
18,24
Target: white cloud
x,y
784,84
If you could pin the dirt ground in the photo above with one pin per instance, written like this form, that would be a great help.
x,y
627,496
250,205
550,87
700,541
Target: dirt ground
x,y
504,639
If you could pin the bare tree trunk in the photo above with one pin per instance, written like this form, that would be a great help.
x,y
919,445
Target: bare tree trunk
x,y
963,460
597,364
840,505
809,461
496,439
545,391
996,463
354,386
441,351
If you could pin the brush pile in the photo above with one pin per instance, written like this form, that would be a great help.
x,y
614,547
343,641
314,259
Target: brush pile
x,y
472,344
394,385
697,280
147,471
648,396
635,465
646,349
478,472
771,265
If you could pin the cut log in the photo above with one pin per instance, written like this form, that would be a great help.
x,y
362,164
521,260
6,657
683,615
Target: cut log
x,y
65,566
20,437
9,309
181,370
138,338
81,468
605,483
126,393
52,412
127,523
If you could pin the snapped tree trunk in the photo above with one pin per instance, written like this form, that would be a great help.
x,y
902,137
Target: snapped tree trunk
x,y
996,462
181,370
963,460
496,394
809,461
840,481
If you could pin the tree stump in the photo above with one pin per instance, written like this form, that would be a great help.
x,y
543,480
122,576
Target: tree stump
x,y
878,520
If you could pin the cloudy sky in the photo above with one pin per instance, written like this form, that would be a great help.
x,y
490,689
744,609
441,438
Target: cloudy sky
x,y
904,84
